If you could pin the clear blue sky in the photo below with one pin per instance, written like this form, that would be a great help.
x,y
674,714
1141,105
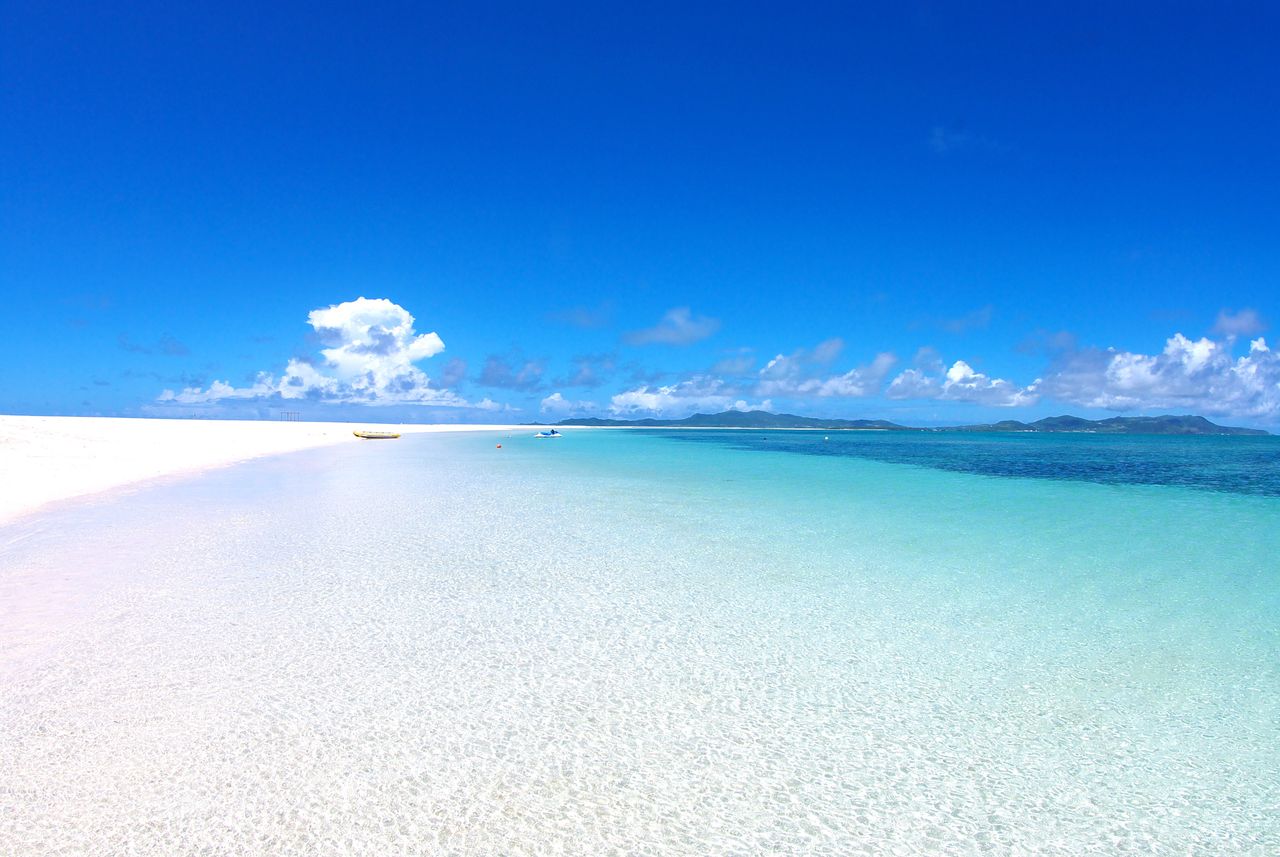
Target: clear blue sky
x,y
933,212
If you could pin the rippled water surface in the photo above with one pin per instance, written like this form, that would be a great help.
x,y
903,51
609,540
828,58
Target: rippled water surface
x,y
654,643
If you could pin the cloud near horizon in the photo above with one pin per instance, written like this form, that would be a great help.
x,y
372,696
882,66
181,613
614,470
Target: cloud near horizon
x,y
557,405
371,348
369,359
798,374
701,392
961,383
1201,375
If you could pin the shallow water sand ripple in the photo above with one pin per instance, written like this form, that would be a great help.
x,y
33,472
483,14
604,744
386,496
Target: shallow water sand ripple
x,y
614,647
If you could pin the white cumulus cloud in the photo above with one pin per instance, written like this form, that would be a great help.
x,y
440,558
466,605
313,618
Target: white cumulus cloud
x,y
913,384
800,374
797,374
700,393
783,375
369,355
861,380
1201,375
961,383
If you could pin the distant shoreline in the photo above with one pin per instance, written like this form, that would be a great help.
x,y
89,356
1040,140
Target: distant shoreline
x,y
1166,424
49,459
904,430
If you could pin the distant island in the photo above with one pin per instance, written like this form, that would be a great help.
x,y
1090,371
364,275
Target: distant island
x,y
743,419
1168,424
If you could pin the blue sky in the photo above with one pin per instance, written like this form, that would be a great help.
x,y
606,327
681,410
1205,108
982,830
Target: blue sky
x,y
929,212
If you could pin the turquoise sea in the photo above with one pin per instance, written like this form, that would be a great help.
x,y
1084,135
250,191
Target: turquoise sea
x,y
656,642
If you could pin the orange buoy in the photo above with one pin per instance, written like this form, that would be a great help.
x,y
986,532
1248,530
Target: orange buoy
x,y
499,446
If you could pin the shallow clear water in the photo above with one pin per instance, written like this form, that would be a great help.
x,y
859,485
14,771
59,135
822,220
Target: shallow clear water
x,y
627,642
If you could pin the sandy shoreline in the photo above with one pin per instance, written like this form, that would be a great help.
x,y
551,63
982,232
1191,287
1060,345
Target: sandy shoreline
x,y
47,459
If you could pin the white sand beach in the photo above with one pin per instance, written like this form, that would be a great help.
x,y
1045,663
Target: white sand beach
x,y
46,459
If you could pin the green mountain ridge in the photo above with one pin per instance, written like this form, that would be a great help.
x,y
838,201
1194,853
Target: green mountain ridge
x,y
742,419
1167,424
1186,424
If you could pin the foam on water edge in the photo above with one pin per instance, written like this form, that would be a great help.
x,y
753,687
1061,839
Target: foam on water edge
x,y
620,644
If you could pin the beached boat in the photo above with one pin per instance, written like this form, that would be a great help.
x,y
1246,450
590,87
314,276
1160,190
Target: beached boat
x,y
552,433
377,435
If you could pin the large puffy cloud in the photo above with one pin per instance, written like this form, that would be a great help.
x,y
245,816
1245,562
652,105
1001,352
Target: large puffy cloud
x,y
1201,375
700,393
861,380
371,336
961,383
371,349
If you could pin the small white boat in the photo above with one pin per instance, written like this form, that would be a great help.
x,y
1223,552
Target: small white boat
x,y
552,433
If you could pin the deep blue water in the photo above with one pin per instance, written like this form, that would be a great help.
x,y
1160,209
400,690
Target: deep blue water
x,y
1244,465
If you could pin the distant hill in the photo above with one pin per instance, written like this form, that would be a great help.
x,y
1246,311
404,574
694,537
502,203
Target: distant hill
x,y
1167,424
764,420
744,419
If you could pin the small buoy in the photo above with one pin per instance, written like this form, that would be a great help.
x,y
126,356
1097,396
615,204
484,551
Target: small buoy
x,y
826,438
499,446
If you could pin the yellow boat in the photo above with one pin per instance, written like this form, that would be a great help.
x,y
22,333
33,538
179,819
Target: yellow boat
x,y
377,435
